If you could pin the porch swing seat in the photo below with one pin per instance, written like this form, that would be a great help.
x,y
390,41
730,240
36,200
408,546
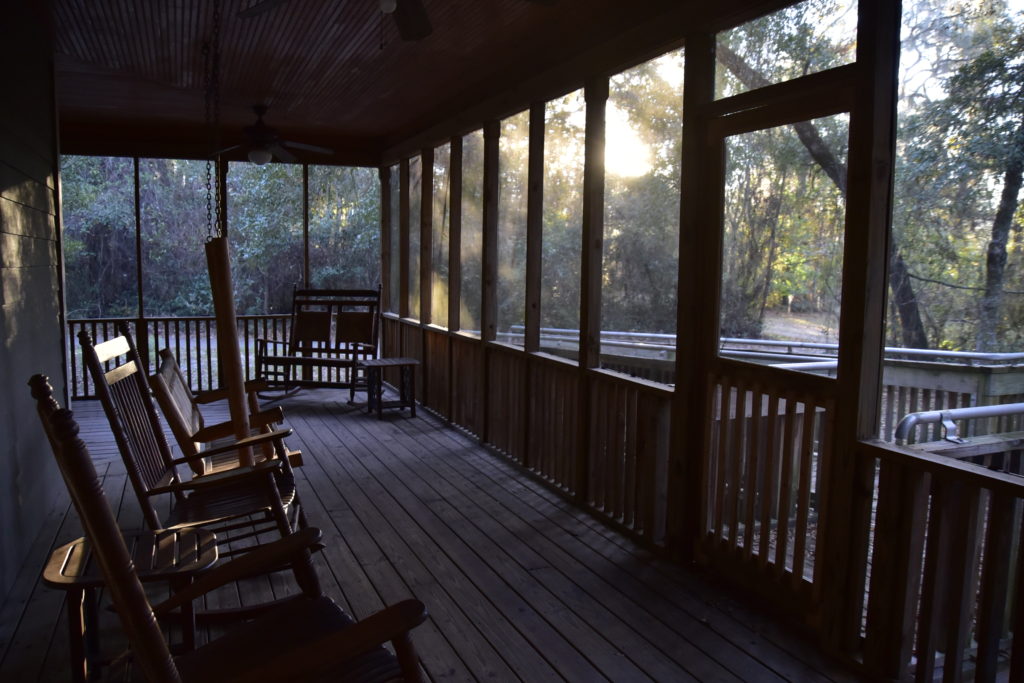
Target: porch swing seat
x,y
330,332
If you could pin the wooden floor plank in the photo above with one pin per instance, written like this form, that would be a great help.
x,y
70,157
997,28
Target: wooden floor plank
x,y
395,572
520,584
503,550
794,660
580,571
507,594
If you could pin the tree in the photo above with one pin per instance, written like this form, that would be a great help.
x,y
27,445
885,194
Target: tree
x,y
985,120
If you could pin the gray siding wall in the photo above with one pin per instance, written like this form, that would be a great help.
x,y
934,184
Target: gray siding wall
x,y
30,302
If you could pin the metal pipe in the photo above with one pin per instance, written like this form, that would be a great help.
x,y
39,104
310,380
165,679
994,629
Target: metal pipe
x,y
947,417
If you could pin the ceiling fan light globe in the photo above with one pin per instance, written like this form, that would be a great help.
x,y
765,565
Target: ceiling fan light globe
x,y
388,6
260,156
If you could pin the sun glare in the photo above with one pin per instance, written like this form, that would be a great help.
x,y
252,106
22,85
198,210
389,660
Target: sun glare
x,y
625,154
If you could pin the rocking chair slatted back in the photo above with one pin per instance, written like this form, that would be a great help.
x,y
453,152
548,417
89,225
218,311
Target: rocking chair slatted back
x,y
124,393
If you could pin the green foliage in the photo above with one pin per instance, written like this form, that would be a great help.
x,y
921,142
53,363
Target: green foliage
x,y
265,234
641,218
99,237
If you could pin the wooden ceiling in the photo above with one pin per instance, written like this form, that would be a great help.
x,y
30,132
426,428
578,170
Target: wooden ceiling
x,y
335,73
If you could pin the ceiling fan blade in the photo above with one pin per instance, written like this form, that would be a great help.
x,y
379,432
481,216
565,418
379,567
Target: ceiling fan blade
x,y
259,8
281,153
412,20
222,151
308,148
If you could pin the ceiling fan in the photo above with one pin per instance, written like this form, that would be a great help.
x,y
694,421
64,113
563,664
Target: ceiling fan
x,y
410,16
264,144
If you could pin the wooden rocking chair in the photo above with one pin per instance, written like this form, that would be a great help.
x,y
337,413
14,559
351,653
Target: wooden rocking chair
x,y
181,411
255,499
308,639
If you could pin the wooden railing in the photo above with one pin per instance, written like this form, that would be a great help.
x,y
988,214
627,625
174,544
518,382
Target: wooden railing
x,y
595,436
628,454
768,447
193,340
945,565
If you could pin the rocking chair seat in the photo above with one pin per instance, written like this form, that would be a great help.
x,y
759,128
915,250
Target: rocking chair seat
x,y
209,505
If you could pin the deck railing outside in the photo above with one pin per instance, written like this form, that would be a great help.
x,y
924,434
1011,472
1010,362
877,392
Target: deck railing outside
x,y
946,527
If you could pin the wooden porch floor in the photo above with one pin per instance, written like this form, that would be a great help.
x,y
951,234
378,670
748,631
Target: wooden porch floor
x,y
519,584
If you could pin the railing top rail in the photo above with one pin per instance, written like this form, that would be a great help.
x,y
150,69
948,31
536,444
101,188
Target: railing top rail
x,y
947,468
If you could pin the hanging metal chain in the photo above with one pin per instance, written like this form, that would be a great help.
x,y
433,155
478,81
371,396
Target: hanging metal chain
x,y
211,88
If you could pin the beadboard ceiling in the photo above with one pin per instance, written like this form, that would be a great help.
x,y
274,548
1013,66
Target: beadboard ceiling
x,y
336,73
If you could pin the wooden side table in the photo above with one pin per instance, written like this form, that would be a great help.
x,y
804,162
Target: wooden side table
x,y
374,370
174,556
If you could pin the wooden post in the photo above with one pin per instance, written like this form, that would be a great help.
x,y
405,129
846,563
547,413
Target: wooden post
x,y
455,236
426,222
862,319
403,239
454,264
305,225
534,227
596,94
141,331
387,300
534,251
489,278
489,281
696,310
230,360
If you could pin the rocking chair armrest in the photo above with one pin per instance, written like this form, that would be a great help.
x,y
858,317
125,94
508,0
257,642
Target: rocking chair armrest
x,y
261,559
224,430
265,418
393,623
214,395
220,430
224,478
248,442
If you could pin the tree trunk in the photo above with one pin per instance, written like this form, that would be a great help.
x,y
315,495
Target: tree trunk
x,y
911,325
912,330
995,262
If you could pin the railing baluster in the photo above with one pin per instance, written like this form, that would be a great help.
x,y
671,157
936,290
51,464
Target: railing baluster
x,y
803,503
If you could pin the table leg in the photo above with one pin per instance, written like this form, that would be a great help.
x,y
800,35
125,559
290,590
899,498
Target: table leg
x,y
378,391
412,390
